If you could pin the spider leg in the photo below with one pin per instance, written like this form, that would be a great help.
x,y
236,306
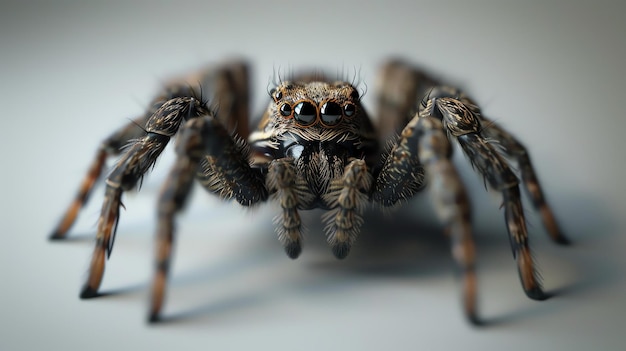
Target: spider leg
x,y
424,139
452,205
229,84
109,147
282,182
205,150
400,86
514,149
400,174
228,174
138,158
113,146
172,200
348,197
462,121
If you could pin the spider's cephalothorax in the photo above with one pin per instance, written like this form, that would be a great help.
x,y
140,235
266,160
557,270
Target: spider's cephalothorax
x,y
315,147
309,135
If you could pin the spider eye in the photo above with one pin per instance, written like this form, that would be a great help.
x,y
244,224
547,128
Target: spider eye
x,y
305,113
349,109
330,113
277,94
285,110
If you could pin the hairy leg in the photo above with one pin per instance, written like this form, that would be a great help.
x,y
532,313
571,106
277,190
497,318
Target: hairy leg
x,y
138,158
461,118
451,203
400,89
228,83
348,197
110,146
424,150
201,139
514,149
282,183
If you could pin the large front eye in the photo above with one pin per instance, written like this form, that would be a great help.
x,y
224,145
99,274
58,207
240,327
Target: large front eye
x,y
285,110
305,113
331,113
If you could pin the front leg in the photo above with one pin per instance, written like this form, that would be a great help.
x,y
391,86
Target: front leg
x,y
229,86
129,171
205,150
109,147
114,145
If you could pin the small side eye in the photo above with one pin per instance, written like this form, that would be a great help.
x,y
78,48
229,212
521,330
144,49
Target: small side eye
x,y
349,109
285,110
277,95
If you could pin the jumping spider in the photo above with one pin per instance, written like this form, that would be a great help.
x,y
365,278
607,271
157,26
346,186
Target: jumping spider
x,y
316,147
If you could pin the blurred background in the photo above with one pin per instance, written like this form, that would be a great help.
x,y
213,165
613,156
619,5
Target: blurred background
x,y
72,71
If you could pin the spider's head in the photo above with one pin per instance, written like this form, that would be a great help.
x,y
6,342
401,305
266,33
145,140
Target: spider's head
x,y
305,113
314,104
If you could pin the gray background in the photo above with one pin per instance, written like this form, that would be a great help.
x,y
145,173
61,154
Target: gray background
x,y
72,71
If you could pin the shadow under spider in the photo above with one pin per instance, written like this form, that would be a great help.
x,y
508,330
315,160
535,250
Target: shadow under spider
x,y
401,244
410,247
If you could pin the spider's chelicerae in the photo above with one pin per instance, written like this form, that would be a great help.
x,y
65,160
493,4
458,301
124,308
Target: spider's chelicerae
x,y
316,147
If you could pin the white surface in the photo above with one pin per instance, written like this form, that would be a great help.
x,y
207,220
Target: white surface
x,y
74,71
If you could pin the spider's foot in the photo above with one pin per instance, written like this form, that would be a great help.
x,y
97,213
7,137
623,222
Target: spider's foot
x,y
89,292
474,320
57,235
154,317
536,294
293,249
552,226
561,239
341,250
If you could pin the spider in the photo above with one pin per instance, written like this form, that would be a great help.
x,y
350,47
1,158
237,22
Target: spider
x,y
316,147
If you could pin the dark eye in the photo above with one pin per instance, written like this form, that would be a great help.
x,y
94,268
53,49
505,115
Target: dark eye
x,y
277,94
349,109
305,113
331,113
285,110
